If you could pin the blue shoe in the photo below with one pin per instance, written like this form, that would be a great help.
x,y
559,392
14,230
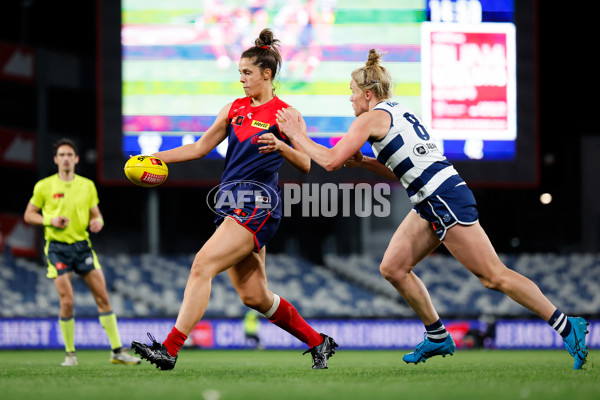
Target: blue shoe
x,y
427,349
575,341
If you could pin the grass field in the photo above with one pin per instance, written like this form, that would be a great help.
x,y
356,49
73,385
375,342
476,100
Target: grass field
x,y
374,375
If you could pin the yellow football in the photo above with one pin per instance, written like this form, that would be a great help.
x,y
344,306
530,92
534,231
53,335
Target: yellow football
x,y
146,171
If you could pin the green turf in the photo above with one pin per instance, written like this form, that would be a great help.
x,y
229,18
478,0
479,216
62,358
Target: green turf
x,y
374,375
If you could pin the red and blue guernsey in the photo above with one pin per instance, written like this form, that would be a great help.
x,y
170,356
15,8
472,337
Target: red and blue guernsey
x,y
249,191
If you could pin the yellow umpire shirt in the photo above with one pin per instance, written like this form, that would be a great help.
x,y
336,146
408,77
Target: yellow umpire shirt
x,y
72,199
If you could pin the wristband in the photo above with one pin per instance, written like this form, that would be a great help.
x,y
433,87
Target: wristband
x,y
99,219
47,220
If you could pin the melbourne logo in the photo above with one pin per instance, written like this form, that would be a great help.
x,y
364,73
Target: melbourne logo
x,y
245,199
258,124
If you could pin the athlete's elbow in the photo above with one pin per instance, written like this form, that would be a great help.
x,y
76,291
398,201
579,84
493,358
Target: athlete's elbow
x,y
28,218
332,166
305,168
303,164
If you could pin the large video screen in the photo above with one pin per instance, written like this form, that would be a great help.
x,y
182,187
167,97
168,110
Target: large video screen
x,y
179,67
180,62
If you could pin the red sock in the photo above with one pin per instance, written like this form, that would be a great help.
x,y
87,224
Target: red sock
x,y
174,342
287,318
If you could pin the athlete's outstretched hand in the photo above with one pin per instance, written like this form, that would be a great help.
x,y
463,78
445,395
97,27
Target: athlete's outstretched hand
x,y
291,123
355,161
270,142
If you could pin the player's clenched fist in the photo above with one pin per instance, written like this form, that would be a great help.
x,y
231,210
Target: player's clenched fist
x,y
60,222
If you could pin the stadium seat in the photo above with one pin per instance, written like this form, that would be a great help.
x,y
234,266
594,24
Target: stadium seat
x,y
345,286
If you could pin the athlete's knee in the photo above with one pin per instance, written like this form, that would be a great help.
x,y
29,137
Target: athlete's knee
x,y
66,304
386,270
202,267
394,271
199,271
103,302
496,280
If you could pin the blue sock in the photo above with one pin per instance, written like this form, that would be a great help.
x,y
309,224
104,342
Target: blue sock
x,y
436,332
560,323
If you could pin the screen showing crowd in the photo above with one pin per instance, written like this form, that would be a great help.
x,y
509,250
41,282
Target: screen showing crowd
x,y
452,62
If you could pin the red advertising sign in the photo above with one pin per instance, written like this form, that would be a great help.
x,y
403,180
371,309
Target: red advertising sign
x,y
469,80
203,335
17,148
18,236
17,62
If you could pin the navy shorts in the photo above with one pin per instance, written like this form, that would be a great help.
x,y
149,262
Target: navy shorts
x,y
446,209
78,257
260,222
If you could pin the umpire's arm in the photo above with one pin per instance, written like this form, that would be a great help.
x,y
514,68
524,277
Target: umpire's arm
x,y
96,220
32,216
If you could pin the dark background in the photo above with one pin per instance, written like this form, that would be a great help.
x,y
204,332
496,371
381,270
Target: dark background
x,y
65,32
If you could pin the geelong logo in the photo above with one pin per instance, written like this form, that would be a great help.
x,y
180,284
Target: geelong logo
x,y
422,149
255,197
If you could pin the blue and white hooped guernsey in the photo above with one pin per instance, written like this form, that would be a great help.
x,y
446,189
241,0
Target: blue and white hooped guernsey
x,y
414,158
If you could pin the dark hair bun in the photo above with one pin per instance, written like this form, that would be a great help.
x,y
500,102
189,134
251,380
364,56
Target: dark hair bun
x,y
266,38
265,52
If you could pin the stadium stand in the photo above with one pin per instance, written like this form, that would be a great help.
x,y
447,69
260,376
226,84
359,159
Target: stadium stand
x,y
351,286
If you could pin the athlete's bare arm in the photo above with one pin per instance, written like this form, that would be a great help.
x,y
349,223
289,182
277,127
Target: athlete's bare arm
x,y
295,157
96,220
370,164
371,124
32,216
207,142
